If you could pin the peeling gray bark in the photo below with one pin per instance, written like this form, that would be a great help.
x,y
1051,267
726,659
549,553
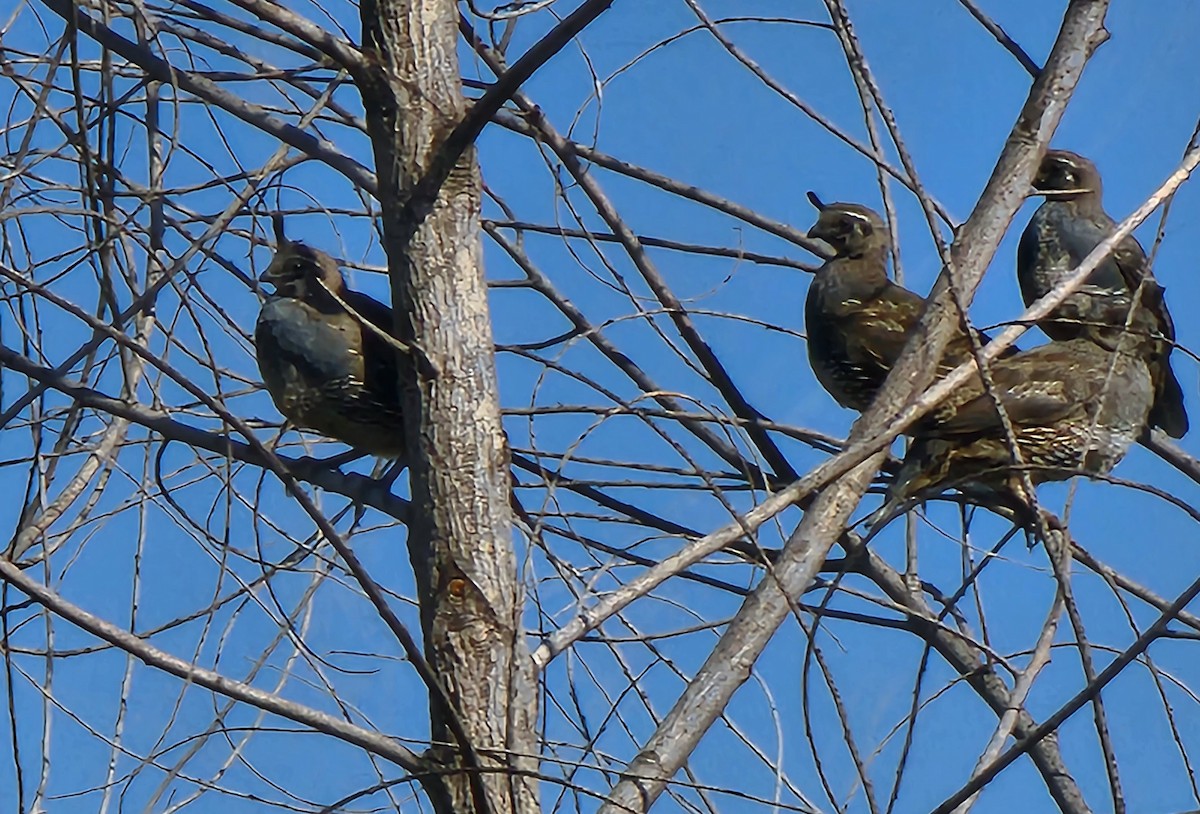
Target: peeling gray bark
x,y
459,533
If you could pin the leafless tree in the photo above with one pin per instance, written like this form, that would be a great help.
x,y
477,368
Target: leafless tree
x,y
621,564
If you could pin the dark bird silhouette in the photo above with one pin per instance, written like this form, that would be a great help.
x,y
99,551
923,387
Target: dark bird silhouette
x,y
325,369
1074,407
856,318
1064,230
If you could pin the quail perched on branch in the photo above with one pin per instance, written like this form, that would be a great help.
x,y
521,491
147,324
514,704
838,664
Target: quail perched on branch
x,y
326,369
1074,407
857,319
1064,230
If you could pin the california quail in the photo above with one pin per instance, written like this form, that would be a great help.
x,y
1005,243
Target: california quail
x,y
856,318
325,370
1074,406
1064,230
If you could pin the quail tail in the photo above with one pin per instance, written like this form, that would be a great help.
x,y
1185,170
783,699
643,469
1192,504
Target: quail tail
x,y
1168,412
916,476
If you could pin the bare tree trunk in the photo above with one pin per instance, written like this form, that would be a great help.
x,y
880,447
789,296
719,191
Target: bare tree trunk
x,y
459,534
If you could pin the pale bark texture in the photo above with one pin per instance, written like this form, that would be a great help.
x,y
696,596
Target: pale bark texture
x,y
459,536
206,607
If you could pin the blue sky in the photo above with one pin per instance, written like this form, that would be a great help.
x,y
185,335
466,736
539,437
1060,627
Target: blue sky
x,y
688,111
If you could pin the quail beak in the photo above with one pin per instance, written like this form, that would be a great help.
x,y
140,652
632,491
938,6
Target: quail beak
x,y
271,274
820,231
1037,187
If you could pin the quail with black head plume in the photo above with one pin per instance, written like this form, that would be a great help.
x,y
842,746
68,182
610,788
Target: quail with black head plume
x,y
323,354
1064,230
857,319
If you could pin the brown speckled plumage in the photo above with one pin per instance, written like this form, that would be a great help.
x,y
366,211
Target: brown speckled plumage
x,y
1075,407
856,318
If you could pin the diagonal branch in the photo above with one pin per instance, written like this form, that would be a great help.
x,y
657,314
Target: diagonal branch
x,y
746,636
1002,37
339,51
980,674
373,742
716,371
356,487
1077,702
544,286
160,70
857,451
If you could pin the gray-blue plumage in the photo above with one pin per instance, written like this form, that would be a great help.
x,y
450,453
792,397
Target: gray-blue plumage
x,y
306,344
1064,230
1055,242
325,367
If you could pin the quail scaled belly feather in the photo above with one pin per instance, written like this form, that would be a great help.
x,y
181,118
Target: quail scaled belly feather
x,y
1075,407
324,369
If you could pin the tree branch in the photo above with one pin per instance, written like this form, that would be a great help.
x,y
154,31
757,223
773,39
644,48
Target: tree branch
x,y
373,742
747,635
